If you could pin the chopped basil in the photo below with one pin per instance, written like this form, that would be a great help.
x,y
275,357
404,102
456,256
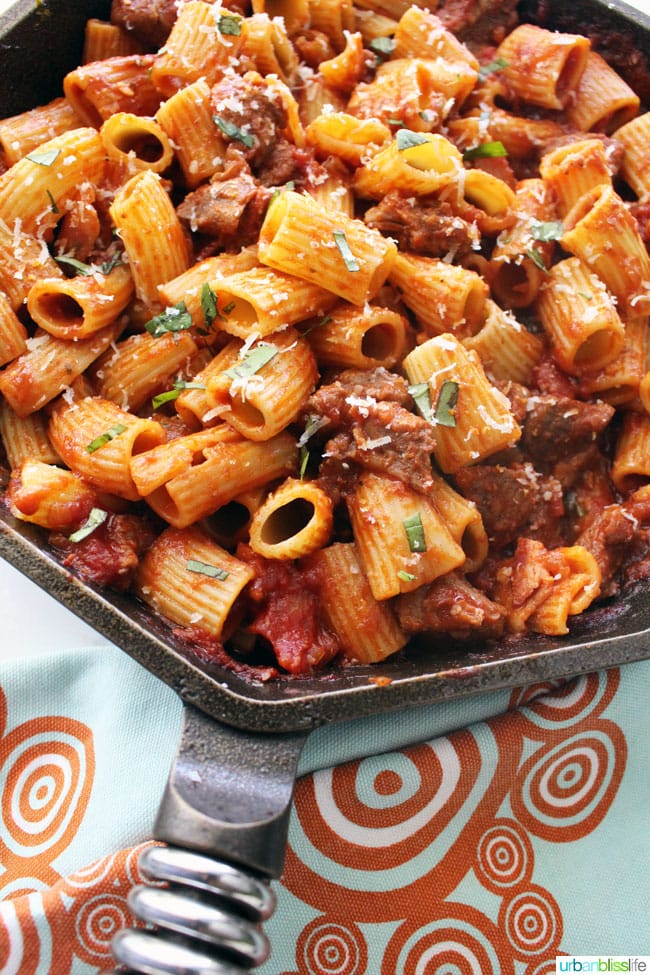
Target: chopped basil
x,y
230,24
205,569
304,460
486,150
208,305
546,230
415,533
422,396
173,319
43,157
447,399
537,259
96,518
321,321
405,576
349,259
382,46
487,69
107,266
53,207
104,438
171,394
227,309
279,190
86,269
406,139
253,361
233,131
79,266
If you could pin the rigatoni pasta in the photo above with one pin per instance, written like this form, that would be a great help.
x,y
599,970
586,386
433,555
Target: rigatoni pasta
x,y
322,327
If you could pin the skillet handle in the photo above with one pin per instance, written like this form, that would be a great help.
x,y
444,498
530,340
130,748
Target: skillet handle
x,y
225,815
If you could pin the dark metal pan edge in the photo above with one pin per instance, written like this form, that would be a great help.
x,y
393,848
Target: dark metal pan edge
x,y
352,692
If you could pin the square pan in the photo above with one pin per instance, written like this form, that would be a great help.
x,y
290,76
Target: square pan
x,y
39,45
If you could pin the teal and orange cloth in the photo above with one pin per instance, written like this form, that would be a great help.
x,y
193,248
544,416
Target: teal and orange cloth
x,y
488,835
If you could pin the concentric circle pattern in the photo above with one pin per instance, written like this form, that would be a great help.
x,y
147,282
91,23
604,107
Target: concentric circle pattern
x,y
504,856
328,947
532,922
565,788
417,862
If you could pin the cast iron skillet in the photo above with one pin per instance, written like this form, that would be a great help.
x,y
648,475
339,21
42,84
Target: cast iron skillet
x,y
229,792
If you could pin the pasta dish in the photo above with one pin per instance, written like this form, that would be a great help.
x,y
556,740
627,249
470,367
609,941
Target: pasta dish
x,y
324,324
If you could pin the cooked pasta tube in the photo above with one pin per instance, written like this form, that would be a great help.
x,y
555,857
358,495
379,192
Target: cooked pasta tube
x,y
345,136
402,540
421,34
189,287
417,92
520,136
444,297
97,439
580,318
603,233
294,520
229,524
603,100
360,338
334,193
574,169
25,260
317,98
33,190
49,496
25,437
339,254
201,43
334,18
619,381
295,13
412,164
228,469
644,393
26,131
631,466
12,332
506,348
492,201
155,467
464,522
520,258
137,367
261,300
366,627
574,589
266,44
471,417
634,136
139,204
187,120
135,142
373,25
189,579
50,366
75,308
543,67
105,40
99,89
262,388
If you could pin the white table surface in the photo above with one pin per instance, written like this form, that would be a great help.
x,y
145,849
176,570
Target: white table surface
x,y
31,622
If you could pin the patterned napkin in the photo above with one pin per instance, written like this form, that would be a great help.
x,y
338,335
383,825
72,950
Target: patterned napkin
x,y
489,836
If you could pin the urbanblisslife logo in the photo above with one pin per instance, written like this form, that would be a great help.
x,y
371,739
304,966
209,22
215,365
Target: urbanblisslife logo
x,y
602,963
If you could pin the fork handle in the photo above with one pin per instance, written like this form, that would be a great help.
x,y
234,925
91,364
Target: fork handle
x,y
224,817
